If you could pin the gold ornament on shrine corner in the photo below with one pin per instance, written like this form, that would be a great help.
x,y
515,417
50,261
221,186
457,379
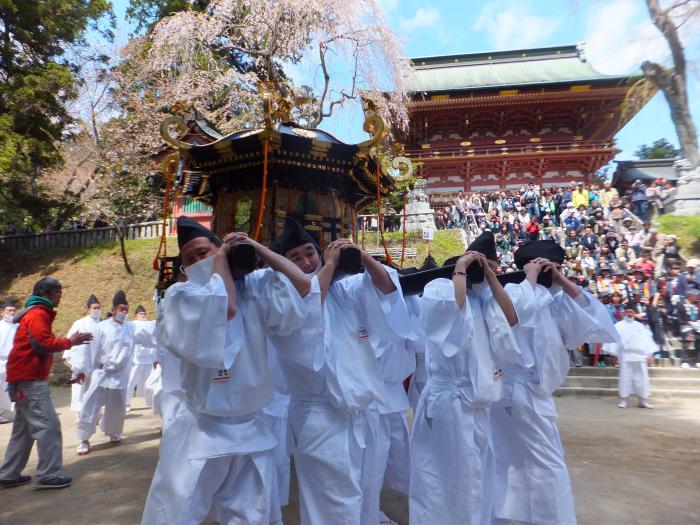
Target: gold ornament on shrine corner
x,y
277,107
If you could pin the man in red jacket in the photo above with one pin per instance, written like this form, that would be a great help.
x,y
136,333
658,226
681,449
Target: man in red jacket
x,y
28,369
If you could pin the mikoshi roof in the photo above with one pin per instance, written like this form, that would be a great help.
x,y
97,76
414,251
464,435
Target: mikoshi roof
x,y
310,160
498,69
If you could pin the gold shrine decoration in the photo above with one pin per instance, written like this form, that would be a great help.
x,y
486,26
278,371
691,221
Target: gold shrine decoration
x,y
276,107
637,96
374,125
181,126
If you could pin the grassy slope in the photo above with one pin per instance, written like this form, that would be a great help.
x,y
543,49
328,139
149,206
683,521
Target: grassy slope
x,y
100,270
446,244
83,271
687,228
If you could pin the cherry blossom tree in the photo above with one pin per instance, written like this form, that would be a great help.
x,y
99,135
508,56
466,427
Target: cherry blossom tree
x,y
215,58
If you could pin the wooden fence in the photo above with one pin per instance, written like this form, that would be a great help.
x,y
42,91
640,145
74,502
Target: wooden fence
x,y
79,238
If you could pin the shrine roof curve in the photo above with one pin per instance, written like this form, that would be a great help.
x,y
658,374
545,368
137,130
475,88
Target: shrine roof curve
x,y
499,69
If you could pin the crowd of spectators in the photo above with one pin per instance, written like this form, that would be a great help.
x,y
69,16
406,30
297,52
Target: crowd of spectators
x,y
611,248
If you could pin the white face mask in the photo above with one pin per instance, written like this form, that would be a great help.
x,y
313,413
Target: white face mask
x,y
629,319
95,314
120,317
7,318
201,271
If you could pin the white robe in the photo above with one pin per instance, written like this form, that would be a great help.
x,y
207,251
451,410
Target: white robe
x,y
141,367
417,346
79,359
7,336
111,351
332,386
532,481
451,456
216,456
396,362
636,344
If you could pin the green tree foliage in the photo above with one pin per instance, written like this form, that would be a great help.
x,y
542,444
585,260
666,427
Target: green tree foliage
x,y
146,13
660,149
36,83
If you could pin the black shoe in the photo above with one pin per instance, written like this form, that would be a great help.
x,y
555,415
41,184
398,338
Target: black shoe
x,y
17,482
58,482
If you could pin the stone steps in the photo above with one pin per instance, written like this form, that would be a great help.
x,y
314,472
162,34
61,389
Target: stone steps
x,y
665,382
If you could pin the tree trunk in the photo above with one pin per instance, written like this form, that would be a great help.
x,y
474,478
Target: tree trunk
x,y
673,83
122,246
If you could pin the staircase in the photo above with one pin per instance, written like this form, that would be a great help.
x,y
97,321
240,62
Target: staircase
x,y
665,382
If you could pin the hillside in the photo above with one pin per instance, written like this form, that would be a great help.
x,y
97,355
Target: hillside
x,y
83,271
99,270
687,228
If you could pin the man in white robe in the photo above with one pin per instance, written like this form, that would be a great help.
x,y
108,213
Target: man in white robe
x,y
7,335
635,346
532,481
217,454
467,334
333,385
141,363
78,358
112,349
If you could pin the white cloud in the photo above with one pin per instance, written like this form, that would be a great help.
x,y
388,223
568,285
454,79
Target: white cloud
x,y
509,25
388,6
620,35
425,18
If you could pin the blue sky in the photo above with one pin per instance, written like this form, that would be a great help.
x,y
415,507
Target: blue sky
x,y
618,35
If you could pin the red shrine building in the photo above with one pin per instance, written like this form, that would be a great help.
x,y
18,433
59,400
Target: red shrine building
x,y
498,120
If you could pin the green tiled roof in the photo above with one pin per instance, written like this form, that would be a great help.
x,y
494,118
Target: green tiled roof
x,y
549,65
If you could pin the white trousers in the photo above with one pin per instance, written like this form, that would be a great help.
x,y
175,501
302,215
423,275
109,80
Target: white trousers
x,y
532,482
334,458
452,463
231,489
137,381
634,379
76,396
280,481
5,404
393,452
112,422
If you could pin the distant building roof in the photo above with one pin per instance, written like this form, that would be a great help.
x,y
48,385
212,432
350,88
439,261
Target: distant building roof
x,y
545,65
645,170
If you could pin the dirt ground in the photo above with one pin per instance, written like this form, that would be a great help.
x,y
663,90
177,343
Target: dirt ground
x,y
633,466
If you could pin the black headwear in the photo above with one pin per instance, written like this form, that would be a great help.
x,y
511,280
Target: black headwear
x,y
92,300
549,250
119,298
8,303
485,244
413,283
188,229
140,309
293,235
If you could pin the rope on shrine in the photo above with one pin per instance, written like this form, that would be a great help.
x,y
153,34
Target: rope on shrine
x,y
403,239
263,191
163,245
380,222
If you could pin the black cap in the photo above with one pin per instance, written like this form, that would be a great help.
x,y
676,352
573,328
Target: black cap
x,y
293,235
549,250
92,300
188,229
413,283
140,309
511,278
486,244
119,298
8,303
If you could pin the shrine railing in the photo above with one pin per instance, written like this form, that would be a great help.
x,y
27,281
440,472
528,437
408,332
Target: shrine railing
x,y
505,149
79,238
